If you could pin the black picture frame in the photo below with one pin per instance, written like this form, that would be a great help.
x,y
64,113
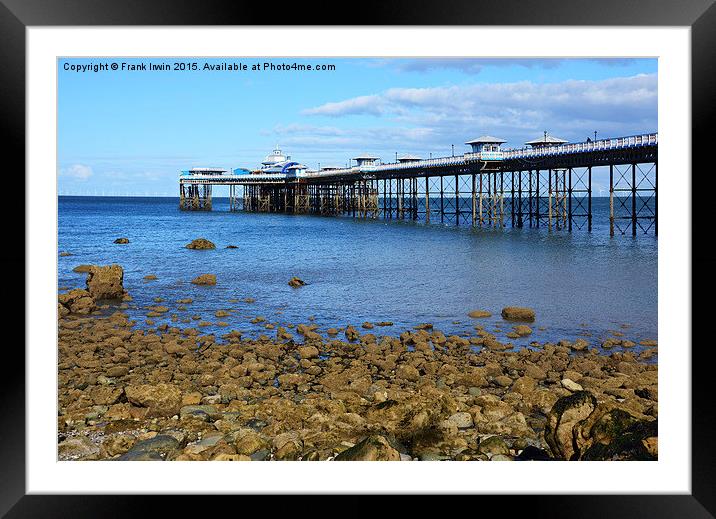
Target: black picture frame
x,y
17,15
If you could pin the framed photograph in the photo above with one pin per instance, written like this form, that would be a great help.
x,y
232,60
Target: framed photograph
x,y
432,236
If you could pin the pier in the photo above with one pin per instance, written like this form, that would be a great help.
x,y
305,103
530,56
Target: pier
x,y
547,184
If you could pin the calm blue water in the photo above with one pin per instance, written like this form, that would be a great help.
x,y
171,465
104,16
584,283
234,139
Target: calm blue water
x,y
373,270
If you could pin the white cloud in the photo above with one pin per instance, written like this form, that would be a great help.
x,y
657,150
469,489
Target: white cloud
x,y
430,120
77,172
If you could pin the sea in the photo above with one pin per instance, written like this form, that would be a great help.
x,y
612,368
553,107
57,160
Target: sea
x,y
580,284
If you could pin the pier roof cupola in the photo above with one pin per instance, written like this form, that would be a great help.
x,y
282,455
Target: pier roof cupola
x,y
366,159
275,157
486,143
408,158
545,140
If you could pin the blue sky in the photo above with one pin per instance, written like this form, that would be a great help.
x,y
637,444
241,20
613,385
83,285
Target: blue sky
x,y
131,132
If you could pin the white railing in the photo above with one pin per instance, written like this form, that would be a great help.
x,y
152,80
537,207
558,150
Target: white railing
x,y
648,139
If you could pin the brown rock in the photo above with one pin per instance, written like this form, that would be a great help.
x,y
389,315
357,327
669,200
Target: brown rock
x,y
200,244
204,279
296,282
106,282
161,399
373,448
522,330
121,240
518,313
77,301
476,314
563,424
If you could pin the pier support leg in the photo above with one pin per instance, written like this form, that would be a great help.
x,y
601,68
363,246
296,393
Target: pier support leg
x,y
479,203
611,200
589,199
569,200
457,200
549,202
474,202
427,199
519,199
442,202
656,199
633,200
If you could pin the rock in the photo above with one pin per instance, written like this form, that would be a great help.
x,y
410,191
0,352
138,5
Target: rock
x,y
157,448
571,385
121,240
373,448
461,420
64,254
296,282
150,277
249,443
617,435
532,453
407,372
77,301
308,352
77,448
476,314
161,399
503,381
200,244
562,429
518,313
204,279
82,268
384,323
522,330
231,247
352,334
106,282
494,445
367,325
579,345
202,412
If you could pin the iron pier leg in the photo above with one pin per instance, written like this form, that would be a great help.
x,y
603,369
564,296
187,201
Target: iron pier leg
x,y
512,199
519,196
442,203
633,199
611,200
569,200
427,199
457,200
589,199
474,202
656,199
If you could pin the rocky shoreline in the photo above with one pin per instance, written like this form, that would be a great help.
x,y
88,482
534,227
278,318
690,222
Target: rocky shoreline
x,y
170,393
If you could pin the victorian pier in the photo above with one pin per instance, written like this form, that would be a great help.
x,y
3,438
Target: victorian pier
x,y
547,184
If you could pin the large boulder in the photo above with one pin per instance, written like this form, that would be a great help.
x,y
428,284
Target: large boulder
x,y
518,313
160,400
617,435
200,244
76,301
106,282
373,448
563,431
